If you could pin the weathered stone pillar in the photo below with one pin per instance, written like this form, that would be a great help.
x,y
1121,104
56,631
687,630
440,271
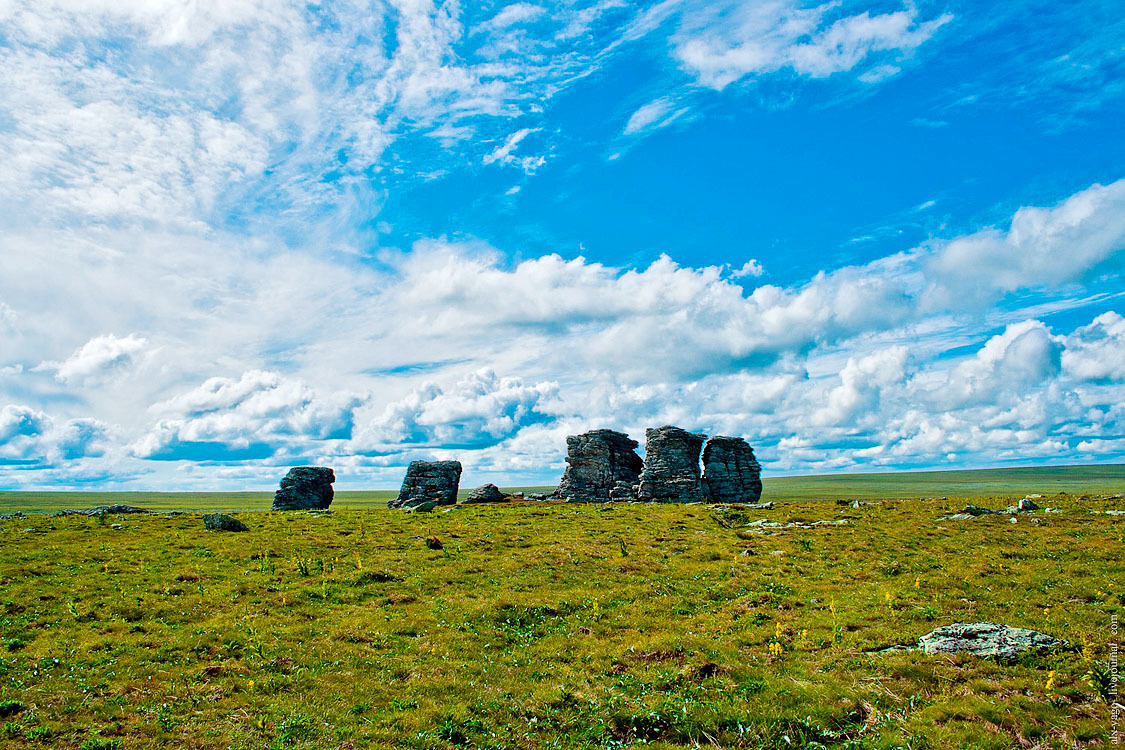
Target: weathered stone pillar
x,y
602,465
731,474
671,471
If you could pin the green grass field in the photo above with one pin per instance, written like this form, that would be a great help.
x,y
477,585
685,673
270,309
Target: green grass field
x,y
563,626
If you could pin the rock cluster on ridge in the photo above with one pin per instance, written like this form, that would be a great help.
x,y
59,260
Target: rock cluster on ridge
x,y
305,488
671,466
731,474
428,481
601,465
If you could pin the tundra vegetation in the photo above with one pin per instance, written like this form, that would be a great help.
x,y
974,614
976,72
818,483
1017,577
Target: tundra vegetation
x,y
564,625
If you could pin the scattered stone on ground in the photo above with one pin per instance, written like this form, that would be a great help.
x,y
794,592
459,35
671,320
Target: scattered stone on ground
x,y
860,504
671,466
11,516
223,522
538,496
486,493
731,474
305,488
766,526
116,526
100,510
986,639
601,466
429,481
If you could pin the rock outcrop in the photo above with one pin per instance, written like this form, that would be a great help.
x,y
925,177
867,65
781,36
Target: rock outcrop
x,y
986,639
601,465
100,510
486,493
731,474
671,466
305,488
223,522
429,481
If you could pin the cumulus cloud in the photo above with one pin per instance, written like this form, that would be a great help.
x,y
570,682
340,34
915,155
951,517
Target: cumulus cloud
x,y
1042,247
1096,352
98,356
251,417
478,410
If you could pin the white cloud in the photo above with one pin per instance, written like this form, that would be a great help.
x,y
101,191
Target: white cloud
x,y
1096,352
504,153
1042,247
478,410
98,356
751,268
656,114
252,417
719,44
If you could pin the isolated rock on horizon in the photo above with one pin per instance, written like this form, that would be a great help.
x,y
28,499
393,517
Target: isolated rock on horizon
x,y
671,466
602,465
305,488
428,481
731,474
486,493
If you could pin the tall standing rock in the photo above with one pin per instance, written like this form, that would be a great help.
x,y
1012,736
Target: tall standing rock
x,y
305,488
601,465
429,482
671,472
731,474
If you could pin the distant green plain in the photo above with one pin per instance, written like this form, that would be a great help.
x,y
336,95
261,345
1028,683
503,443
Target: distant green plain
x,y
1074,480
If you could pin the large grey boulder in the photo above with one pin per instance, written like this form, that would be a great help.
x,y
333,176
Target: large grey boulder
x,y
222,522
731,474
429,481
486,493
986,639
601,465
305,488
671,466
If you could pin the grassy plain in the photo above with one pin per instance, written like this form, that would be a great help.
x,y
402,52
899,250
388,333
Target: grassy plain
x,y
553,625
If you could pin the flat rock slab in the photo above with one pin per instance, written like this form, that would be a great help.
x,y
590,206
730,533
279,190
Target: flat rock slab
x,y
987,639
101,510
486,493
223,522
429,481
305,488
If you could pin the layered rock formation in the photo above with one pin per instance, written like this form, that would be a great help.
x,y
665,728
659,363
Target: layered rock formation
x,y
671,466
601,465
305,488
486,493
731,474
429,481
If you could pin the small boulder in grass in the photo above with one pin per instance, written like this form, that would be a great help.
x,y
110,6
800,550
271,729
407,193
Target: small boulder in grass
x,y
434,543
223,522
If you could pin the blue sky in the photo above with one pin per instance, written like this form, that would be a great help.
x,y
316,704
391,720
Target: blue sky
x,y
865,236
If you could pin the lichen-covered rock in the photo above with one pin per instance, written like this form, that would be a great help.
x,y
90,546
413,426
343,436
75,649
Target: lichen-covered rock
x,y
601,465
671,466
731,474
429,481
486,493
305,488
100,510
223,522
986,639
